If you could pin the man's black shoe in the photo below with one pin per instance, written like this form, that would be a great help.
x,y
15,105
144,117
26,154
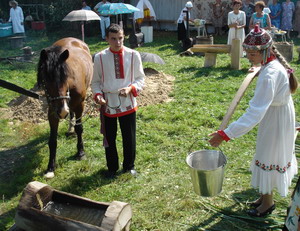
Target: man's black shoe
x,y
110,175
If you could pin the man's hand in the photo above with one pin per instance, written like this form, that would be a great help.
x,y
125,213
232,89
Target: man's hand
x,y
124,91
100,100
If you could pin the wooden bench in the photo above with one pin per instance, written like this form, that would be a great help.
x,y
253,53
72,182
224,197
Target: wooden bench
x,y
211,52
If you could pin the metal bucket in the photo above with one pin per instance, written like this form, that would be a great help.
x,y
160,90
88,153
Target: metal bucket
x,y
207,171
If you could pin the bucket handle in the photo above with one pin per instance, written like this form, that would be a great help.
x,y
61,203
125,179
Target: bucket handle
x,y
206,139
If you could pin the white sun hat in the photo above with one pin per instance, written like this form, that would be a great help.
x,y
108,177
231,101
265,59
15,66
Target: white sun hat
x,y
189,4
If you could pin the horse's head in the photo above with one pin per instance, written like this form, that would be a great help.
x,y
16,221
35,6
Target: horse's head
x,y
52,77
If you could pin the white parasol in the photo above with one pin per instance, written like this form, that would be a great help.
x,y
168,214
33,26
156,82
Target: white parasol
x,y
81,15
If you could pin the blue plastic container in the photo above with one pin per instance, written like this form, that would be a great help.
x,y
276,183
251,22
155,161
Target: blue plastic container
x,y
5,29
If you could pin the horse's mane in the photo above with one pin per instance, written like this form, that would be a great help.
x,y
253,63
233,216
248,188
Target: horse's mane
x,y
52,66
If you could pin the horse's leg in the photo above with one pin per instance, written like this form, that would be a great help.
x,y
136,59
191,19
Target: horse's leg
x,y
70,131
52,143
79,130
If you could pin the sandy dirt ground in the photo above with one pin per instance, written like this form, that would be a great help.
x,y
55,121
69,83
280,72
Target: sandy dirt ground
x,y
157,89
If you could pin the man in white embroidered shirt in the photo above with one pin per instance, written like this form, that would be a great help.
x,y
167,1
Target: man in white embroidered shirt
x,y
118,78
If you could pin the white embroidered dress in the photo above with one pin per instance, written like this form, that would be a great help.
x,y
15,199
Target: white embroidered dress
x,y
107,83
274,164
240,18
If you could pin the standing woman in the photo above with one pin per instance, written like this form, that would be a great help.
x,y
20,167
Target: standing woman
x,y
274,164
259,17
218,12
288,9
16,17
275,14
297,19
236,24
182,21
249,9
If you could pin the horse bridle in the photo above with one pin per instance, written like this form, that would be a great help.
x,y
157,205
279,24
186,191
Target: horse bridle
x,y
51,99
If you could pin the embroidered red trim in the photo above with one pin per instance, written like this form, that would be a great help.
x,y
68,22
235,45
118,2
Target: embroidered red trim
x,y
134,91
121,66
122,113
116,52
272,167
224,136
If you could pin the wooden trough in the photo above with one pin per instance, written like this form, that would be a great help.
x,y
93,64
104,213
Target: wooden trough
x,y
44,208
211,52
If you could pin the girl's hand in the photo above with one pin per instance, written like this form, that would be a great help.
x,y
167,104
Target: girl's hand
x,y
216,139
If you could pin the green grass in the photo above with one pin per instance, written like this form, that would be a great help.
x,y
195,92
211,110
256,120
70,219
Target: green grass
x,y
161,197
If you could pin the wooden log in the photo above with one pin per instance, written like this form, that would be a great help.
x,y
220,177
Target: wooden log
x,y
211,48
238,97
236,54
44,208
117,217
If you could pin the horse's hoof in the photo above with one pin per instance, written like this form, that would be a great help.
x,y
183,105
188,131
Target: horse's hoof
x,y
49,175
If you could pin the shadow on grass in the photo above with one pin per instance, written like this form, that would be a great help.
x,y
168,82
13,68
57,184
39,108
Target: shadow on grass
x,y
81,185
207,71
235,217
5,218
17,166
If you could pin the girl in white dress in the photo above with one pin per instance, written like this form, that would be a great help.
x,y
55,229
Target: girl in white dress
x,y
236,24
274,164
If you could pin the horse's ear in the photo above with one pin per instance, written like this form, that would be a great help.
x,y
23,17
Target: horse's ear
x,y
43,55
63,56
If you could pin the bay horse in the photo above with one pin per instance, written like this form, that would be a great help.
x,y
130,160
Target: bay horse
x,y
64,72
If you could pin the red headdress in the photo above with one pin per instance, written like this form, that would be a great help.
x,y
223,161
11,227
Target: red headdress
x,y
259,39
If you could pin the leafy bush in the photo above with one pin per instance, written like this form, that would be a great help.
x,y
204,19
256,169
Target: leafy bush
x,y
56,11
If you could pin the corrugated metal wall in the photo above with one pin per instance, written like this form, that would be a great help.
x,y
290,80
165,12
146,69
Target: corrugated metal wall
x,y
170,10
165,10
